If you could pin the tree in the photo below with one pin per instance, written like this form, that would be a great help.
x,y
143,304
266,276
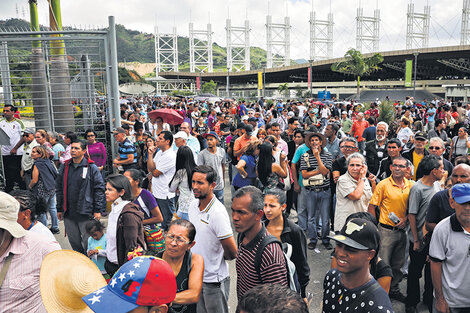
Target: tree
x,y
358,66
284,88
209,87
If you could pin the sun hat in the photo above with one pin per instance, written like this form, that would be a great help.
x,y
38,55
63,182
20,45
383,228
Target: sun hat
x,y
29,130
9,208
461,193
316,134
66,276
360,234
145,280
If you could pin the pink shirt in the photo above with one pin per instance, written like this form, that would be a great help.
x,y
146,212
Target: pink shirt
x,y
20,290
281,144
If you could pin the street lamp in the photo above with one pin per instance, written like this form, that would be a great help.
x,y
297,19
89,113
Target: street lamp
x,y
414,83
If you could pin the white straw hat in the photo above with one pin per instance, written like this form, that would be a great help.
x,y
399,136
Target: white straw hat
x,y
9,208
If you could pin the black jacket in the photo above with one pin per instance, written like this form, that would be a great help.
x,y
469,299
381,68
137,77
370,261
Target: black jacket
x,y
373,161
295,236
409,155
92,198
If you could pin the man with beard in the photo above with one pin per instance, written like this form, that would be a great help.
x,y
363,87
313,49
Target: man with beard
x,y
375,150
214,240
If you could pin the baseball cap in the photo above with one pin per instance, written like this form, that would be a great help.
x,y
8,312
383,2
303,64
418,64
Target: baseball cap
x,y
181,134
421,136
119,130
212,133
143,281
360,234
28,130
252,119
244,117
461,193
9,208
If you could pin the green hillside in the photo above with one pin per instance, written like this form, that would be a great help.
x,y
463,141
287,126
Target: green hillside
x,y
135,46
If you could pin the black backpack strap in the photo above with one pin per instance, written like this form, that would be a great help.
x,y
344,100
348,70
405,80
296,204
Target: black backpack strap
x,y
268,239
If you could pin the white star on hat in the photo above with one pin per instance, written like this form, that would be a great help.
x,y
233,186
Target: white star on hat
x,y
140,260
95,299
113,282
131,273
99,291
136,265
122,276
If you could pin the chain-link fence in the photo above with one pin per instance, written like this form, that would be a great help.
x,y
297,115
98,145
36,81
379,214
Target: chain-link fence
x,y
61,81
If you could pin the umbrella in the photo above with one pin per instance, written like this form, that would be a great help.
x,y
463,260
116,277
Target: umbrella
x,y
169,116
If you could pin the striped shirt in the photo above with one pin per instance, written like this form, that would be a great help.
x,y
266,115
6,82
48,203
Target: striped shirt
x,y
20,289
312,164
125,148
273,265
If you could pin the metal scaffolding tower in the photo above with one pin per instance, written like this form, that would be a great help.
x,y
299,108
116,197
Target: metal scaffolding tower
x,y
321,37
166,51
278,43
417,27
238,47
367,31
465,32
200,49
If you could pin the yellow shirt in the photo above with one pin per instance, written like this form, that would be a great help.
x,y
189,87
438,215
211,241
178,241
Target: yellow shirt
x,y
391,198
416,159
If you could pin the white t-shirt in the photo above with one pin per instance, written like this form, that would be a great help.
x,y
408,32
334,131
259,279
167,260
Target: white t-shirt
x,y
302,110
212,225
39,228
165,162
111,244
13,129
404,135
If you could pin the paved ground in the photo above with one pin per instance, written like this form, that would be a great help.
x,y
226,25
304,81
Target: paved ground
x,y
319,265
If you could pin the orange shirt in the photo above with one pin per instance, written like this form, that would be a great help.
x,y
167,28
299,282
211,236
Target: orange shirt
x,y
241,142
358,129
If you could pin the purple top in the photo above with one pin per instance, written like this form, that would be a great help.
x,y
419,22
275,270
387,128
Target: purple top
x,y
97,153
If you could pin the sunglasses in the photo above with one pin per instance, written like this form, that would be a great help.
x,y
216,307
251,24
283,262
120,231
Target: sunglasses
x,y
434,148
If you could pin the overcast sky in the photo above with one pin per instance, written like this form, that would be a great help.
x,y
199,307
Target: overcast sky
x,y
143,15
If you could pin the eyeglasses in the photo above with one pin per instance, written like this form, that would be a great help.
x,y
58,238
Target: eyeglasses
x,y
179,240
434,148
399,165
90,135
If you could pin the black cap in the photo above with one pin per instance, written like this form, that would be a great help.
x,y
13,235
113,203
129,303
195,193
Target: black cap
x,y
421,136
252,119
360,234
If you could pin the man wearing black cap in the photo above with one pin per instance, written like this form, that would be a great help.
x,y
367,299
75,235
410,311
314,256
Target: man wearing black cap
x,y
449,253
351,287
416,154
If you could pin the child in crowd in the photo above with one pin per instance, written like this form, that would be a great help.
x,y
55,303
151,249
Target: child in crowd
x,y
97,244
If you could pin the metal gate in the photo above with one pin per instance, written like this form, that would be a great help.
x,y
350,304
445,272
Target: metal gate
x,y
62,80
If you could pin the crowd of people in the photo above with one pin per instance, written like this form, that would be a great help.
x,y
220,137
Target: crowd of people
x,y
394,198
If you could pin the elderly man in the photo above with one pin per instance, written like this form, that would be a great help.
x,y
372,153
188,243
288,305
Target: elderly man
x,y
353,190
437,148
192,141
416,154
21,254
181,139
376,150
449,253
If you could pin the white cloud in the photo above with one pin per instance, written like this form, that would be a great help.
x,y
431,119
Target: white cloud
x,y
143,14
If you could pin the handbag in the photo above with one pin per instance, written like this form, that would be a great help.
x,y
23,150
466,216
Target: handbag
x,y
316,180
154,237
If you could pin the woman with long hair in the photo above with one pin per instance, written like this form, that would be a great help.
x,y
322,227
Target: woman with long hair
x,y
43,185
269,172
95,149
181,181
187,267
125,231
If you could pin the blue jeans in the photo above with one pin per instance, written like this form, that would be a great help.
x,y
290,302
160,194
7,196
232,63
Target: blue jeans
x,y
219,195
51,208
316,204
167,207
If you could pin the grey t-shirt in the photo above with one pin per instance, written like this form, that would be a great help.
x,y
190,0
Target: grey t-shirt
x,y
418,202
215,161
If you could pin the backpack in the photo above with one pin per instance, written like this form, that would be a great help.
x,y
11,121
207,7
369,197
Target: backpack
x,y
292,277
